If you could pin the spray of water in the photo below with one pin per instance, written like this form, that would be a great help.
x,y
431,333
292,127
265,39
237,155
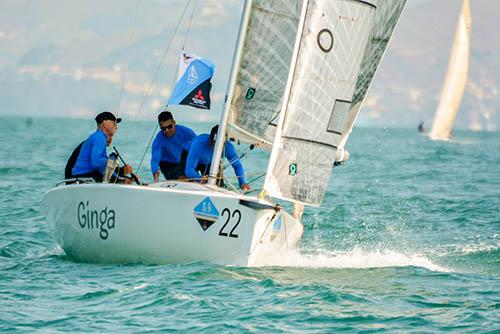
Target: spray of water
x,y
356,259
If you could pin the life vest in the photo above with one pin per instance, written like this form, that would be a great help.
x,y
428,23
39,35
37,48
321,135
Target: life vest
x,y
72,161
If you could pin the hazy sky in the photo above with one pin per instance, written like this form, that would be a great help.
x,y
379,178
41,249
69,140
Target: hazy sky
x,y
62,57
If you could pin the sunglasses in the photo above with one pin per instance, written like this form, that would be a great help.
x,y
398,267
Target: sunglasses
x,y
168,127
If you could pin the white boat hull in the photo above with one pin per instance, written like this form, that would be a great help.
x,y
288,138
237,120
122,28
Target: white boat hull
x,y
168,222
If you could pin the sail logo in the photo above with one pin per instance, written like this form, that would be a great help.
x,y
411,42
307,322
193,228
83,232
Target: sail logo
x,y
199,95
325,40
199,99
250,93
101,220
206,213
192,76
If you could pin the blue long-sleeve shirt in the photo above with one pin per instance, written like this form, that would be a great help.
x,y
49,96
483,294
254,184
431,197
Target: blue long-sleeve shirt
x,y
169,149
93,155
201,152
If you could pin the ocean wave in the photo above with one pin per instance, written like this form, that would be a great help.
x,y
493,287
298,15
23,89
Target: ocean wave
x,y
478,248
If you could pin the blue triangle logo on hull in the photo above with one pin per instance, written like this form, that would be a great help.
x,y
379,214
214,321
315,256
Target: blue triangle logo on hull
x,y
206,213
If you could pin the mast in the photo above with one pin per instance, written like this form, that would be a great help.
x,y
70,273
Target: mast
x,y
221,133
286,97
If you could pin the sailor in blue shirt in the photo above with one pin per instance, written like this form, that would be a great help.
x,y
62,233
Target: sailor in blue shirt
x,y
92,156
200,156
170,147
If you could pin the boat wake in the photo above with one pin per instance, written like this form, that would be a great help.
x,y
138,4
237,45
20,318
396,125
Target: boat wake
x,y
355,259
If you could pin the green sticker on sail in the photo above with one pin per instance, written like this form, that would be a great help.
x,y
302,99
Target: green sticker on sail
x,y
250,93
292,169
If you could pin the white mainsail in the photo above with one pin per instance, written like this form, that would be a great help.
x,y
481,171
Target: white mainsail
x,y
263,69
456,78
338,56
386,18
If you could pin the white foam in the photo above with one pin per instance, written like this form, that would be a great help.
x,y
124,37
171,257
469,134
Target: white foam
x,y
478,248
356,259
185,297
133,288
37,254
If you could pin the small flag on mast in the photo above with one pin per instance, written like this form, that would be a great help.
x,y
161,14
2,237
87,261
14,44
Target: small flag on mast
x,y
193,82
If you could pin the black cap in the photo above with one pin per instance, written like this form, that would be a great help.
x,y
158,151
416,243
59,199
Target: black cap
x,y
105,116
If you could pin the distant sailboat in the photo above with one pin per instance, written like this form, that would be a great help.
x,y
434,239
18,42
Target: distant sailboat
x,y
456,78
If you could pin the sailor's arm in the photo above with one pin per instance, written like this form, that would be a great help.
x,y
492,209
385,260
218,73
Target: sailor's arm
x,y
155,159
98,156
232,156
192,162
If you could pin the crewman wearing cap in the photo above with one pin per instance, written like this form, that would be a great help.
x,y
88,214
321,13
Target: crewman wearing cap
x,y
200,156
92,157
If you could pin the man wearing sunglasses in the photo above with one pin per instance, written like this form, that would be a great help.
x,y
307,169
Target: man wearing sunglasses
x,y
89,159
170,147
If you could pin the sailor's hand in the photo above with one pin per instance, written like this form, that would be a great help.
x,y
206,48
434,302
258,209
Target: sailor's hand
x,y
127,169
156,176
245,187
126,180
204,179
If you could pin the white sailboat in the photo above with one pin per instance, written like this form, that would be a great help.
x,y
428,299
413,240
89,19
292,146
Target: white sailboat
x,y
456,79
300,72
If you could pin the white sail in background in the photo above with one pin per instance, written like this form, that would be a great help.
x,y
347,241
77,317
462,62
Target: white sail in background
x,y
334,45
456,79
263,69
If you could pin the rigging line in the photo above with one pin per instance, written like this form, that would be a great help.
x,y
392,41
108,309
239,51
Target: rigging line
x,y
185,39
230,163
256,178
264,232
131,38
147,147
189,24
232,186
241,157
161,61
174,78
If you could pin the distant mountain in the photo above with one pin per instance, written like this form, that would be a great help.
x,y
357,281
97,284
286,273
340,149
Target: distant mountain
x,y
70,60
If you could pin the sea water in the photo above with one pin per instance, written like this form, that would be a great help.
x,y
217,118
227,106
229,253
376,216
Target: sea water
x,y
407,240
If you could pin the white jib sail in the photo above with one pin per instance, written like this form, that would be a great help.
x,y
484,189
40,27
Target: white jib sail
x,y
334,42
456,79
